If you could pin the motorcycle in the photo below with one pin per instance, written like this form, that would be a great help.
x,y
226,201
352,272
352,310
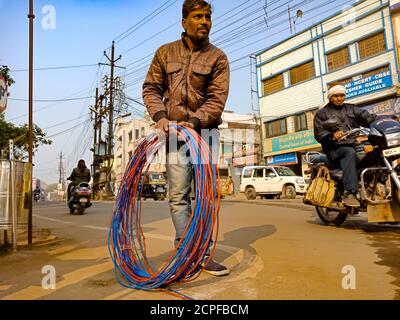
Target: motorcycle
x,y
36,197
80,198
378,159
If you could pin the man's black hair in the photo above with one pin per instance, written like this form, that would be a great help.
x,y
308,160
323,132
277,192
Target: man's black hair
x,y
190,5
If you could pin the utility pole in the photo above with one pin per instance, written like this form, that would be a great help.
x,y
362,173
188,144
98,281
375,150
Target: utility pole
x,y
96,117
109,157
61,170
256,110
31,17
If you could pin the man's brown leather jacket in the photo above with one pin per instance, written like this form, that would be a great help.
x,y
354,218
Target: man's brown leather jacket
x,y
187,85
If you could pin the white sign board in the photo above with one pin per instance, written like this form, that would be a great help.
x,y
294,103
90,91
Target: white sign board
x,y
3,94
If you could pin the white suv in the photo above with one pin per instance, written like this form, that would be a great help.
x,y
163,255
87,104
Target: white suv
x,y
270,181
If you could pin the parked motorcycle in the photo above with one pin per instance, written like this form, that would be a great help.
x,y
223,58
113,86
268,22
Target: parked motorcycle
x,y
80,198
378,159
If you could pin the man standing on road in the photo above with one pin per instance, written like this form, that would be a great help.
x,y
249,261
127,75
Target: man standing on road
x,y
188,82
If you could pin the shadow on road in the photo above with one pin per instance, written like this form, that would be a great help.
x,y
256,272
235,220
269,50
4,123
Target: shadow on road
x,y
384,238
233,242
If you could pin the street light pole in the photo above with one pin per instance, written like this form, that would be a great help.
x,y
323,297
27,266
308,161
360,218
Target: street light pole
x,y
31,17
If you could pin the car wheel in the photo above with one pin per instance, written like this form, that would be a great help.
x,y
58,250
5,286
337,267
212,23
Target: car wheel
x,y
250,193
289,192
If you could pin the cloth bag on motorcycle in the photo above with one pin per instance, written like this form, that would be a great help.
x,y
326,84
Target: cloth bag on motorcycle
x,y
322,189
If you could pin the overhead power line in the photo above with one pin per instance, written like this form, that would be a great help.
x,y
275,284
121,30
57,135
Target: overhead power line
x,y
57,68
51,100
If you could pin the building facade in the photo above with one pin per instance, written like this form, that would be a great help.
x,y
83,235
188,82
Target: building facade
x,y
128,135
356,47
239,145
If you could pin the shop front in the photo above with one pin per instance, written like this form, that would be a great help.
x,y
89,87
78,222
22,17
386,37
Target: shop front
x,y
288,150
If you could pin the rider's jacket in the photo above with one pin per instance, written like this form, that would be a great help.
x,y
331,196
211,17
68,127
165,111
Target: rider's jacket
x,y
348,117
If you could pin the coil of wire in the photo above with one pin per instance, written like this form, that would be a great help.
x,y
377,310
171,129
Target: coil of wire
x,y
126,241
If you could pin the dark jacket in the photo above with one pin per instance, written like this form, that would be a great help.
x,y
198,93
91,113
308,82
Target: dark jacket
x,y
348,117
187,85
77,176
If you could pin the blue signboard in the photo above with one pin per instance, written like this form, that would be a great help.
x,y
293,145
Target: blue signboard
x,y
369,84
282,159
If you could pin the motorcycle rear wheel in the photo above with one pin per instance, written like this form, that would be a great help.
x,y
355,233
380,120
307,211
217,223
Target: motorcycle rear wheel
x,y
81,210
330,217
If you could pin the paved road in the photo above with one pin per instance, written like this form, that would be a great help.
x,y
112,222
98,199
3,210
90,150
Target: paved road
x,y
276,249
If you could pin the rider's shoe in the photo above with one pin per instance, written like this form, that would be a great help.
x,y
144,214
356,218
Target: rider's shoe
x,y
350,200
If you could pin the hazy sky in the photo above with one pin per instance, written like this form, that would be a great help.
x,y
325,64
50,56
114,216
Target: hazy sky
x,y
76,32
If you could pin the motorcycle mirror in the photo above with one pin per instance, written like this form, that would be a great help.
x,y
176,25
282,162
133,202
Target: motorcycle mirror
x,y
330,124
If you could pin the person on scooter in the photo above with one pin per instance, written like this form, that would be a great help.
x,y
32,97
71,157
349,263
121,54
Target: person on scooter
x,y
80,174
342,153
37,192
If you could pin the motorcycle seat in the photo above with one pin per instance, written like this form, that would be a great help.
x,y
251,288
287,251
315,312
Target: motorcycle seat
x,y
319,158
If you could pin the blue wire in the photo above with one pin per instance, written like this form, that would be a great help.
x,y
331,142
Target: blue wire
x,y
122,226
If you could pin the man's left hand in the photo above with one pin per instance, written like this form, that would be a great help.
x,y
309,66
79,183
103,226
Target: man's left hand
x,y
187,124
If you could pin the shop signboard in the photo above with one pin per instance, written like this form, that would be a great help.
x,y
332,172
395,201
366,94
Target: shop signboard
x,y
376,82
386,107
288,158
298,141
3,94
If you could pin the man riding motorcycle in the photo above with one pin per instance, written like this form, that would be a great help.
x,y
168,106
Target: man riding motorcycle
x,y
37,193
80,174
341,152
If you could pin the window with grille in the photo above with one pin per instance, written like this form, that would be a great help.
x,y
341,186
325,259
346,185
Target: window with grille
x,y
130,135
372,45
275,128
337,59
342,82
376,71
302,73
300,122
273,84
136,134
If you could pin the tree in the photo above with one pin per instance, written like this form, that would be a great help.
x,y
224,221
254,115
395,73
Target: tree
x,y
19,134
21,139
4,71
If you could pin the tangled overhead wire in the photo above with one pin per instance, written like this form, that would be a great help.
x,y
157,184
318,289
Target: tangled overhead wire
x,y
126,242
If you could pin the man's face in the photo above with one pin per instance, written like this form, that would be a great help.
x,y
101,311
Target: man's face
x,y
338,99
198,24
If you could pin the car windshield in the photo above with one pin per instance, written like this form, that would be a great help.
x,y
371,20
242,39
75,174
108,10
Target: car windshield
x,y
283,171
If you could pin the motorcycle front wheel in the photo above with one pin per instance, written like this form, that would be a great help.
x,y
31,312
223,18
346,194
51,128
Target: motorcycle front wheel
x,y
330,217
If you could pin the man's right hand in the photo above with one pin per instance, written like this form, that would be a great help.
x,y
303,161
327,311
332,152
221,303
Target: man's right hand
x,y
163,124
338,135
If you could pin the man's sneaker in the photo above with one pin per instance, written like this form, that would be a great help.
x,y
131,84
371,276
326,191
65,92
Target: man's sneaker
x,y
350,200
216,269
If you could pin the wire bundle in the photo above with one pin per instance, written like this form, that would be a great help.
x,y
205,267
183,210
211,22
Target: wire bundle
x,y
126,240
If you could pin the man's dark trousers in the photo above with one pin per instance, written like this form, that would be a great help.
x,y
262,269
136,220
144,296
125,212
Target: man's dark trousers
x,y
346,157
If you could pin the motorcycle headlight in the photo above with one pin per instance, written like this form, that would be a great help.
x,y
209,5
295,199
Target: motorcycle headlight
x,y
393,139
300,181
